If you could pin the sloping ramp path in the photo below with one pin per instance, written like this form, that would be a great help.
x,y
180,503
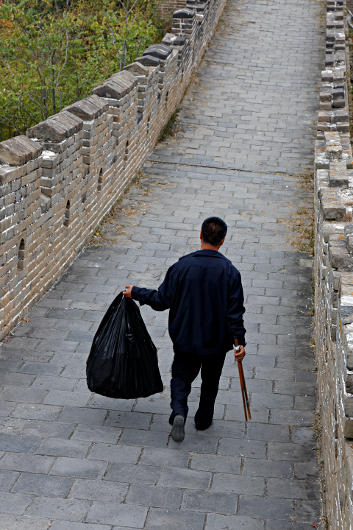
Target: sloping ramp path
x,y
70,460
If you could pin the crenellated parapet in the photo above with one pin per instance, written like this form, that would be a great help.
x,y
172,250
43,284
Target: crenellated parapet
x,y
59,180
333,273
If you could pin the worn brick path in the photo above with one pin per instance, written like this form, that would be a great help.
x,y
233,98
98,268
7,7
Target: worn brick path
x,y
70,460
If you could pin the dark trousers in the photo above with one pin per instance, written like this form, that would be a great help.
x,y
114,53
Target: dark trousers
x,y
185,369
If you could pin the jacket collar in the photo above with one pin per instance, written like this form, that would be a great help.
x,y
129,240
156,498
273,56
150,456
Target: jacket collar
x,y
209,253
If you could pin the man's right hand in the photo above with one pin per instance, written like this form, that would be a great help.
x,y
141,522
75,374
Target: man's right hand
x,y
127,292
239,355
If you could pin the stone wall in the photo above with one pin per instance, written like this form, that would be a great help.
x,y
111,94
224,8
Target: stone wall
x,y
167,7
334,273
60,180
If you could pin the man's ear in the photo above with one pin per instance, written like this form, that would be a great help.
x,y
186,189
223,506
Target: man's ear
x,y
201,235
221,243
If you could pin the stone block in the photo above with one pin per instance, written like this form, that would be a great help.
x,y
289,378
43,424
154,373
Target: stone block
x,y
126,84
266,468
348,427
131,516
349,351
343,128
50,430
348,235
117,453
333,146
327,76
57,508
15,503
127,78
325,105
183,14
339,103
340,116
165,457
18,444
7,479
132,473
161,51
332,207
18,151
205,501
129,420
338,93
172,40
79,468
49,486
159,519
145,60
326,94
339,257
265,507
338,174
110,89
33,147
324,116
88,109
48,130
184,478
60,447
168,498
99,490
216,521
67,121
66,525
348,400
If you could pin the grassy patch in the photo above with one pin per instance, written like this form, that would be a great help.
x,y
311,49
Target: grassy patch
x,y
170,129
302,222
322,523
110,226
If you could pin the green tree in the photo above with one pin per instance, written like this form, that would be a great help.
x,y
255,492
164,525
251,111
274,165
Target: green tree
x,y
54,52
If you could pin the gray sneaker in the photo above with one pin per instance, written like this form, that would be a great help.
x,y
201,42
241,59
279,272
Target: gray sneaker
x,y
178,431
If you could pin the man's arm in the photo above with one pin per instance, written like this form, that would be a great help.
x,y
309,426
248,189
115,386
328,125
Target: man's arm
x,y
235,312
159,299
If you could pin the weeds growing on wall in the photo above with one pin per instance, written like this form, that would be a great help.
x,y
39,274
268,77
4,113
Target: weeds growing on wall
x,y
350,80
53,53
129,210
302,222
323,524
170,128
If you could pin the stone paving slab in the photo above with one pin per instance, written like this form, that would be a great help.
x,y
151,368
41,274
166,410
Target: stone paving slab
x,y
72,460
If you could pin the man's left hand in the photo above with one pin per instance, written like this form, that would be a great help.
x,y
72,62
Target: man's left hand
x,y
239,355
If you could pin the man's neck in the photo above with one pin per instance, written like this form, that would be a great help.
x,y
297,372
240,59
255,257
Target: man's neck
x,y
207,246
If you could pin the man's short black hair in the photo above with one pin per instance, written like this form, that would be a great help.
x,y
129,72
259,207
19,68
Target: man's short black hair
x,y
213,230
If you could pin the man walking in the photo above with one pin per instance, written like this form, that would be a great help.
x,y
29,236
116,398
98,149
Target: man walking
x,y
204,293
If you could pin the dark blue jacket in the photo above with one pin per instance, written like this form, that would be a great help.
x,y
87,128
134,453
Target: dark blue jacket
x,y
204,293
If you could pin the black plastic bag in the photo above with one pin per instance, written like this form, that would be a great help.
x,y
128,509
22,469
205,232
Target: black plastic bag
x,y
123,360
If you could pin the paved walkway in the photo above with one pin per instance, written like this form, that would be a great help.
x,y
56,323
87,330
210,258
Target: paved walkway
x,y
70,460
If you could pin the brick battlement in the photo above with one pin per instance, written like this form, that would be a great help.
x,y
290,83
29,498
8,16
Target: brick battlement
x,y
334,273
59,181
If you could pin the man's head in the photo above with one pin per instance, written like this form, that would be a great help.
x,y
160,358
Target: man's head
x,y
213,232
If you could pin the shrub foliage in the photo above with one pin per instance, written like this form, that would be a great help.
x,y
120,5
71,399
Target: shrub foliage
x,y
53,53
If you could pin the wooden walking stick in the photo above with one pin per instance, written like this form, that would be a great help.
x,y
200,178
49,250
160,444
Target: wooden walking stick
x,y
244,392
